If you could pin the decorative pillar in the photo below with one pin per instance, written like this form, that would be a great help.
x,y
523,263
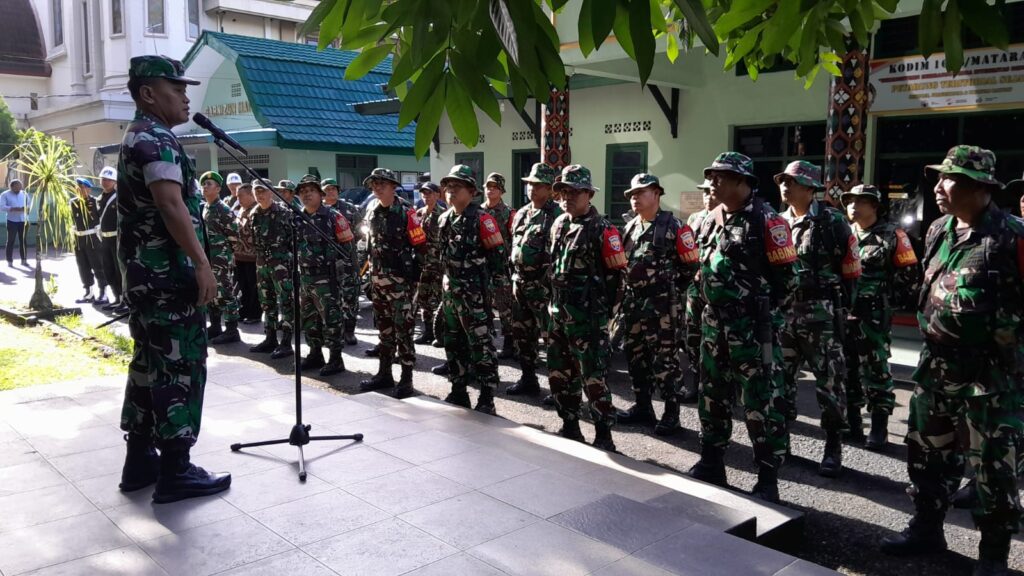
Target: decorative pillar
x,y
554,142
846,129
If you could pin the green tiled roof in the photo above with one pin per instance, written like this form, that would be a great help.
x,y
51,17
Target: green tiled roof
x,y
303,94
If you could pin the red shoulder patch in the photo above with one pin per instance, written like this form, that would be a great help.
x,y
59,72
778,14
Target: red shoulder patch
x,y
342,229
1020,256
778,245
904,255
490,234
686,245
416,234
611,249
851,261
511,219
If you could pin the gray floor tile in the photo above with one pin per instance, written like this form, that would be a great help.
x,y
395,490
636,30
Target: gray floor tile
x,y
355,464
273,487
426,446
220,434
805,568
103,492
42,506
546,549
145,521
85,465
543,493
217,395
46,416
457,565
339,414
104,404
127,561
418,413
264,389
406,490
708,513
31,475
215,547
14,451
386,548
377,400
241,463
705,551
250,410
381,428
58,542
318,517
621,522
631,566
292,562
313,397
64,443
469,519
314,451
480,468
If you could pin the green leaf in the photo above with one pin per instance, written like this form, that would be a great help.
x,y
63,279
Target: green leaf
x,y
836,34
643,38
366,61
697,19
658,21
859,28
867,13
316,18
461,113
986,21
752,70
743,47
557,5
371,9
354,19
520,91
554,68
672,48
401,89
622,32
421,90
809,79
501,19
465,70
584,27
781,27
952,37
331,25
888,5
739,13
367,36
428,120
929,27
831,68
602,19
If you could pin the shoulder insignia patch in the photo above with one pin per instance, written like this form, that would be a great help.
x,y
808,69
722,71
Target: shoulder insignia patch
x,y
904,255
779,242
611,249
686,245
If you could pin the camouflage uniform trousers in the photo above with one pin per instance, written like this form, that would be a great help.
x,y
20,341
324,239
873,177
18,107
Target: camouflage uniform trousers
x,y
731,358
652,344
393,310
321,312
809,335
578,362
348,293
530,318
501,301
468,345
225,304
167,374
692,338
868,378
274,282
935,463
428,295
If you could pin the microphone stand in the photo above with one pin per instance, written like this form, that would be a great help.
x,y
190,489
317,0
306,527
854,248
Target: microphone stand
x,y
299,436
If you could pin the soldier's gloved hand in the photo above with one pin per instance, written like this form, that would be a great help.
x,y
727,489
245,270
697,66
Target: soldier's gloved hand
x,y
206,284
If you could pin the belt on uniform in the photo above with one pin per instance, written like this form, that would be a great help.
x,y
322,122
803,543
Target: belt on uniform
x,y
108,234
89,232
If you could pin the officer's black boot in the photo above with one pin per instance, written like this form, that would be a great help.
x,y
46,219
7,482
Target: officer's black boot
x,y
711,467
350,333
507,346
923,536
832,459
229,335
372,351
102,298
427,336
767,486
571,430
405,388
180,479
141,464
879,435
527,384
214,329
284,347
688,393
603,437
268,344
485,403
315,359
441,369
548,401
993,553
856,433
669,423
335,365
639,414
382,379
459,397
966,497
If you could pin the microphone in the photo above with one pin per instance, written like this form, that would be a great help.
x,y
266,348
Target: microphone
x,y
216,132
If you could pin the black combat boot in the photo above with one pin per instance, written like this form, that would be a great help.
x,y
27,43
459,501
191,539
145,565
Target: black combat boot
x,y
485,403
268,344
284,347
879,435
527,384
711,466
993,553
214,329
315,359
966,497
832,459
507,346
141,464
571,430
404,388
441,369
688,393
548,401
229,335
335,365
86,298
923,536
349,336
856,433
427,336
603,437
669,423
639,414
382,379
459,397
767,486
372,351
180,479
102,298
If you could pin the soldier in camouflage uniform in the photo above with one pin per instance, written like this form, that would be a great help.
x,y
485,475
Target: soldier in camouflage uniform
x,y
828,265
428,293
746,276
531,267
221,234
286,188
472,253
661,255
695,306
348,267
321,309
395,238
889,274
272,226
168,282
586,271
970,312
494,188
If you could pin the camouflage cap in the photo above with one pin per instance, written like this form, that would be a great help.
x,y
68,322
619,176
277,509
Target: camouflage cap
x,y
153,66
575,176
259,184
641,181
864,191
430,187
382,174
462,173
705,186
498,180
309,180
733,162
540,173
211,175
802,172
974,162
329,182
287,185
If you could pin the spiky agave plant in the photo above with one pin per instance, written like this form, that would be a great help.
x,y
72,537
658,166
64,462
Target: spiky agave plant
x,y
47,165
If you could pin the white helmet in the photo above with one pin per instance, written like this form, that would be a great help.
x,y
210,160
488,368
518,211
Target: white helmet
x,y
234,178
108,173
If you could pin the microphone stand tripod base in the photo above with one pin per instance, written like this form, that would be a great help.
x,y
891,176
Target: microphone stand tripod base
x,y
299,437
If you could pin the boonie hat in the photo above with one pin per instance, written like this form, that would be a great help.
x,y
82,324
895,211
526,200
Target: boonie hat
x,y
736,163
975,162
641,181
309,180
497,179
803,173
381,174
540,173
462,173
863,190
575,176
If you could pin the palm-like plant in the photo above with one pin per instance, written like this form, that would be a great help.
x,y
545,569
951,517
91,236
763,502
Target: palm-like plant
x,y
47,166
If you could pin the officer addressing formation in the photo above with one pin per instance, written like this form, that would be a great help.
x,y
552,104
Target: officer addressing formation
x,y
748,294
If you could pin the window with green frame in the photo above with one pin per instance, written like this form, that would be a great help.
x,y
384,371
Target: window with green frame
x,y
622,162
771,147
